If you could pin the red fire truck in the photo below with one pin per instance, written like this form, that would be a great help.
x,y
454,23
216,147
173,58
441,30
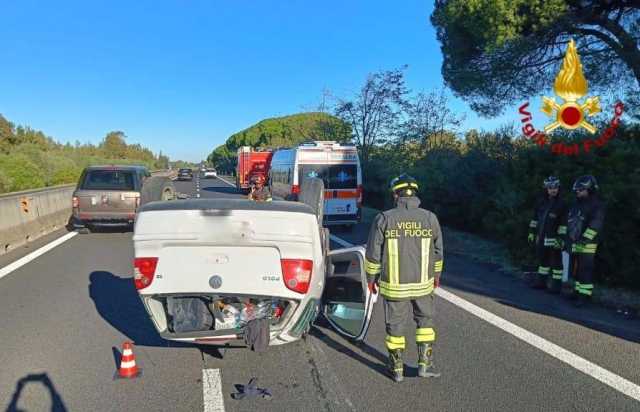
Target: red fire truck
x,y
251,163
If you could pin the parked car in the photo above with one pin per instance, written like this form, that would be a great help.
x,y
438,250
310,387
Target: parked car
x,y
209,173
185,174
204,268
111,195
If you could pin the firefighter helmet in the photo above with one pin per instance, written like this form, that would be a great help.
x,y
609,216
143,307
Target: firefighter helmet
x,y
586,182
551,182
404,185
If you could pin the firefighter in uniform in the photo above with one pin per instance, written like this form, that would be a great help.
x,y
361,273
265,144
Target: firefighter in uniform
x,y
583,233
543,232
404,260
259,192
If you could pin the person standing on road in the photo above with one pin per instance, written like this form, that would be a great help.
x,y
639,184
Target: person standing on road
x,y
584,225
404,259
259,192
543,232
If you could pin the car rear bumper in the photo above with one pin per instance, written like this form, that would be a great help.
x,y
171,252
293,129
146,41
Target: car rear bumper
x,y
104,218
329,220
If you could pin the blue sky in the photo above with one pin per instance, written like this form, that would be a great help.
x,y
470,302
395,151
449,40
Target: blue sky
x,y
182,76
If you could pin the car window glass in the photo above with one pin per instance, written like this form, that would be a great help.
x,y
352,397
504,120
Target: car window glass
x,y
108,180
345,302
343,177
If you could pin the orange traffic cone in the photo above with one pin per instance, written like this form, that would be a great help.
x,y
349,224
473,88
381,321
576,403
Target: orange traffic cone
x,y
128,368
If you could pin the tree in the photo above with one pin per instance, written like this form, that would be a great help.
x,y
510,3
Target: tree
x,y
498,51
373,112
114,145
162,162
7,135
428,120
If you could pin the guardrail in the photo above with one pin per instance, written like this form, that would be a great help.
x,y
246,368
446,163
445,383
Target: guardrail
x,y
30,214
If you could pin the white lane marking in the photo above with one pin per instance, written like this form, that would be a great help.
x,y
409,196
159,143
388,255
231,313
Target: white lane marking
x,y
608,378
339,241
212,390
597,372
226,181
35,254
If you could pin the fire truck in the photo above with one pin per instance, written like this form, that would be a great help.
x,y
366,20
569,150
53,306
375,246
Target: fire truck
x,y
251,163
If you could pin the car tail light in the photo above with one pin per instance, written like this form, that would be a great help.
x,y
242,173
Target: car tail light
x,y
297,274
143,271
295,190
359,201
75,202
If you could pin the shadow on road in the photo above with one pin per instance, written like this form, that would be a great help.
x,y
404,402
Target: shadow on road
x,y
506,289
57,405
222,189
379,366
118,303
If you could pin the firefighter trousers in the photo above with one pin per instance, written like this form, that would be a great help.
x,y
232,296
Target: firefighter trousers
x,y
581,268
397,314
549,262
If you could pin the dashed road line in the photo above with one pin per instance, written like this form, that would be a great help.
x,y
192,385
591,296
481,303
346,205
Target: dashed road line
x,y
212,390
609,378
35,254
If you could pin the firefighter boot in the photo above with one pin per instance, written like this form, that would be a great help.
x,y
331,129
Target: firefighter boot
x,y
426,369
395,365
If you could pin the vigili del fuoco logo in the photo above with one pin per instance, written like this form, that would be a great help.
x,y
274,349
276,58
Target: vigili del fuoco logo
x,y
570,86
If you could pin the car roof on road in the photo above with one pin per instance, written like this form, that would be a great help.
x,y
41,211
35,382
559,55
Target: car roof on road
x,y
228,204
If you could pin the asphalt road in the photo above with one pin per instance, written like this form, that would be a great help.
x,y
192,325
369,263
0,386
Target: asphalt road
x,y
65,315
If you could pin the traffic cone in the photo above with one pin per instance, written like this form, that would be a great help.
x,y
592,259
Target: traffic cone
x,y
128,367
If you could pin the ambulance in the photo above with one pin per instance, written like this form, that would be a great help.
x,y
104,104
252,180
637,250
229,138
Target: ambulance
x,y
337,164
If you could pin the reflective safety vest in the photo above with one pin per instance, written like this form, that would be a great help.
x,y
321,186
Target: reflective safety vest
x,y
404,251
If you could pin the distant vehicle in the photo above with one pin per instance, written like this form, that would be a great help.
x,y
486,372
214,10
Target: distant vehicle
x,y
230,261
209,173
111,195
336,164
251,163
185,174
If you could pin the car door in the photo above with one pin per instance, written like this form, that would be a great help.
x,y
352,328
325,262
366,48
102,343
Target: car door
x,y
347,303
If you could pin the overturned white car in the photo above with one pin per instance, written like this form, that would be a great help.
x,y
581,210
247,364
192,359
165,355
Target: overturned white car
x,y
206,268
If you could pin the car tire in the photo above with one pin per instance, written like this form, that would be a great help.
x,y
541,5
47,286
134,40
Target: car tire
x,y
312,194
155,188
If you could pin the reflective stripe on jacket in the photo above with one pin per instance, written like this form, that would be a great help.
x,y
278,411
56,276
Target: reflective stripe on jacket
x,y
547,217
584,225
404,250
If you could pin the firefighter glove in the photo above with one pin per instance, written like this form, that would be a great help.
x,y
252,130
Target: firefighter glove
x,y
373,288
531,238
